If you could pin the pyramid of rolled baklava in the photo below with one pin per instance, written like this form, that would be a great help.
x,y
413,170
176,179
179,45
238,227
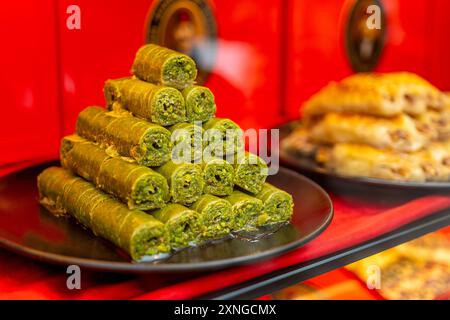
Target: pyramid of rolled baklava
x,y
388,126
156,171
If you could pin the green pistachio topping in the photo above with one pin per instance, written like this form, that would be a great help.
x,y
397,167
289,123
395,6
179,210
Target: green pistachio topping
x,y
278,204
250,172
182,224
200,105
187,141
222,137
185,181
163,66
246,210
216,216
219,177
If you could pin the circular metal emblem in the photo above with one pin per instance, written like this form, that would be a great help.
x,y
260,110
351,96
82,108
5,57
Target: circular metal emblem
x,y
187,26
365,34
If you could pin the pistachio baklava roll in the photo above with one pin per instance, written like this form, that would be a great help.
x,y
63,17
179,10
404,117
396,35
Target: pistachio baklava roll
x,y
218,175
250,172
246,210
163,66
216,216
149,144
187,141
222,137
278,205
185,181
200,104
134,231
137,186
161,105
181,223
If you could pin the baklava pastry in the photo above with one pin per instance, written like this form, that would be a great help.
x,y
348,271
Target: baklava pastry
x,y
278,205
134,231
137,186
364,161
346,98
299,143
147,143
435,125
222,137
417,94
246,210
187,141
200,105
398,133
219,177
435,161
185,181
215,215
181,223
375,94
163,66
161,105
250,172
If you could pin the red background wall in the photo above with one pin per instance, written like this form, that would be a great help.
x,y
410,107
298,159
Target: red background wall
x,y
272,55
29,93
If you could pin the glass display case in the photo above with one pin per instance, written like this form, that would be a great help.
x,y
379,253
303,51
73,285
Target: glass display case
x,y
263,60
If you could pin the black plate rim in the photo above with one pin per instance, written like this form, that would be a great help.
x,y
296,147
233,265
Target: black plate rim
x,y
136,267
297,162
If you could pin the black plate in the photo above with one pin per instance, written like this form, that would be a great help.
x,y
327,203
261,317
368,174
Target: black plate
x,y
28,229
337,182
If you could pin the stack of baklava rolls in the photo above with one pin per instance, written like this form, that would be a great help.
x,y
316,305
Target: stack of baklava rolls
x,y
389,126
138,174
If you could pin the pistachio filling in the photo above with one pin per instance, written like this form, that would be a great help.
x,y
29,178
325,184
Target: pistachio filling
x,y
216,216
181,223
262,219
187,185
250,173
179,71
219,178
279,207
182,230
223,137
200,105
187,140
246,214
246,209
231,136
278,204
218,220
155,148
150,192
249,177
168,107
148,241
